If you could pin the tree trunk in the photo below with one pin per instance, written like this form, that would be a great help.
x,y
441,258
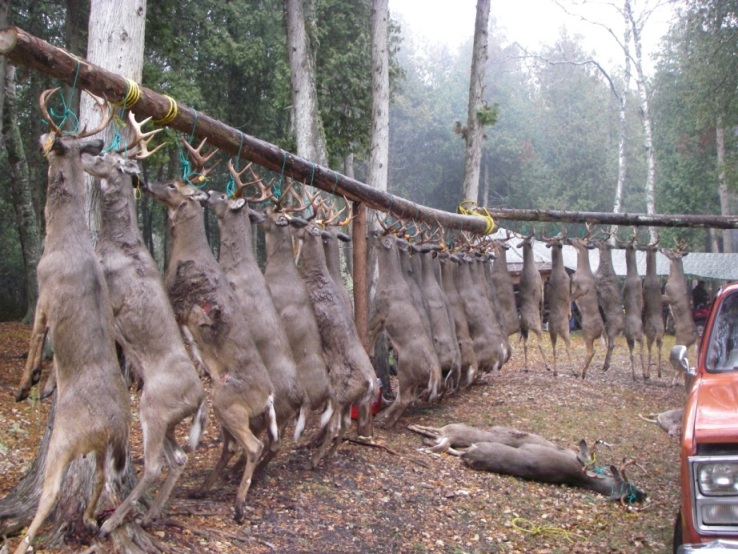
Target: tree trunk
x,y
623,130
645,117
115,42
308,126
25,214
474,127
116,39
722,179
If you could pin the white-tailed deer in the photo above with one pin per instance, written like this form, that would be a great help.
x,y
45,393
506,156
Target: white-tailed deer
x,y
488,347
292,302
239,264
584,294
92,405
609,297
145,327
443,331
469,366
653,312
531,457
558,298
206,306
350,370
503,284
633,301
531,300
677,294
393,311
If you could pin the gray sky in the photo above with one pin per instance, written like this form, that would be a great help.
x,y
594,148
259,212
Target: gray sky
x,y
530,22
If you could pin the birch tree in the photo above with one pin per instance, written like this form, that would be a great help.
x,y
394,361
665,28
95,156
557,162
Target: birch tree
x,y
473,134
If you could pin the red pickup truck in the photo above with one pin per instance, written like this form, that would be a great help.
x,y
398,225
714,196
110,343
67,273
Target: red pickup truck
x,y
708,516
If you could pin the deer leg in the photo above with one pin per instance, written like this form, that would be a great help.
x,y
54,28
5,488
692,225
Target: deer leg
x,y
225,456
645,371
631,345
553,337
406,396
32,370
659,344
57,463
589,356
608,354
176,459
525,353
540,349
253,448
331,428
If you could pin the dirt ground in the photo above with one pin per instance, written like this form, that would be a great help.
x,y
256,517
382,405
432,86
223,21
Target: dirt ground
x,y
399,498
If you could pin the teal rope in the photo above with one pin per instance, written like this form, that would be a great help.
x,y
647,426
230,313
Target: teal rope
x,y
67,114
278,187
231,184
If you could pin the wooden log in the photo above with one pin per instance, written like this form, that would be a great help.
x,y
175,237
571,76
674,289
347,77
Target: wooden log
x,y
23,48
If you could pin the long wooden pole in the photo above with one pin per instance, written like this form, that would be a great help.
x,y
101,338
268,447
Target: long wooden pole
x,y
23,48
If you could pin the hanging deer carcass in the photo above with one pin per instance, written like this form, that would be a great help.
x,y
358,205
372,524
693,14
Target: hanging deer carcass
x,y
609,297
584,294
350,370
469,366
393,311
208,309
240,267
292,302
558,298
531,300
145,327
677,294
653,313
503,284
92,404
633,300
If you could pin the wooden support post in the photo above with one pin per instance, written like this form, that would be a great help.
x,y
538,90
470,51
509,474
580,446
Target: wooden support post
x,y
361,300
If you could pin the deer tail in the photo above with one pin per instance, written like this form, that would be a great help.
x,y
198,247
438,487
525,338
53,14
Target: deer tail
x,y
199,422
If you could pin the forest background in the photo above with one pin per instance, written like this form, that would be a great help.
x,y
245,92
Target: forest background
x,y
554,143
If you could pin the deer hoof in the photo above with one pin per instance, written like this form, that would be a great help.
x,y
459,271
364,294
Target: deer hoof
x,y
238,516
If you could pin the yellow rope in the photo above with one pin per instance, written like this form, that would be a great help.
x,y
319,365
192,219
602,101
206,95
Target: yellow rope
x,y
133,95
522,524
469,207
171,113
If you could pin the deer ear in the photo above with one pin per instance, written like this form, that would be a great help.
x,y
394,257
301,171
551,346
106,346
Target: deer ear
x,y
237,204
92,146
256,216
343,237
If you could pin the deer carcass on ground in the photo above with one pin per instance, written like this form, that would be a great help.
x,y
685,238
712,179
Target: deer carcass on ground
x,y
240,267
653,312
531,457
609,297
206,306
350,370
393,311
92,404
145,328
531,300
558,298
584,294
633,300
677,294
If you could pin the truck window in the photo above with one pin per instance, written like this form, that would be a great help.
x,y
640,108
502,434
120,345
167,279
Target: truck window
x,y
722,354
